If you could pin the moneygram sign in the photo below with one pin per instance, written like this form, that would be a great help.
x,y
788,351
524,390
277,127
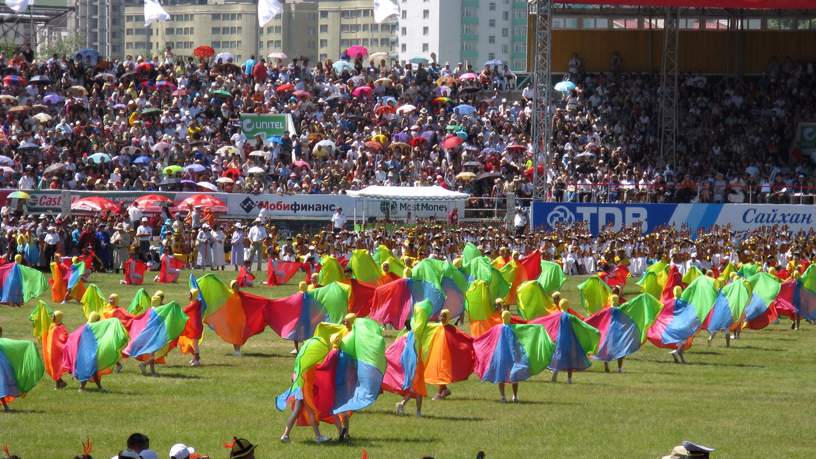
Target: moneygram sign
x,y
741,217
265,125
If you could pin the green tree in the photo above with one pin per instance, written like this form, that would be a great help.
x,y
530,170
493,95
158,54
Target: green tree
x,y
62,47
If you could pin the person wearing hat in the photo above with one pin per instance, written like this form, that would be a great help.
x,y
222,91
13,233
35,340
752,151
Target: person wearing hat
x,y
203,244
120,241
237,246
241,448
143,234
52,240
182,451
257,234
217,237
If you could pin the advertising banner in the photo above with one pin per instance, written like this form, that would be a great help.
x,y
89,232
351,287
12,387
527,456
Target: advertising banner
x,y
741,217
397,210
266,125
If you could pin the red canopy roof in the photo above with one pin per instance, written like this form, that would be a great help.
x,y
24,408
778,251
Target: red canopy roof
x,y
746,4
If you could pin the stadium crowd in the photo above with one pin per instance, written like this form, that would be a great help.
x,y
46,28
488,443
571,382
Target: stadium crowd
x,y
125,125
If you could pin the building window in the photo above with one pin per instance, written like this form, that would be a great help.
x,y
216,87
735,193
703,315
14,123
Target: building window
x,y
324,14
505,49
375,27
425,30
324,43
403,48
425,47
491,56
426,14
324,28
491,6
505,15
505,32
404,14
215,17
216,44
365,27
491,39
404,31
491,23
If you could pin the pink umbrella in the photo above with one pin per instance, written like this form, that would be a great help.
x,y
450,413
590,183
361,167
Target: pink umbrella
x,y
452,142
94,204
357,51
301,94
301,163
362,91
468,76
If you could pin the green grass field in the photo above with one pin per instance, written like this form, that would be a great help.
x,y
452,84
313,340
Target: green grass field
x,y
752,400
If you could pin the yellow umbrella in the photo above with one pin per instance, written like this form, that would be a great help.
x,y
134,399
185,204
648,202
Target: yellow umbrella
x,y
380,138
466,176
19,195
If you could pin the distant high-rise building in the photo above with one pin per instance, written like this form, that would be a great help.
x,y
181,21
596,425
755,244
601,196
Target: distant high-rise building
x,y
472,31
98,25
345,23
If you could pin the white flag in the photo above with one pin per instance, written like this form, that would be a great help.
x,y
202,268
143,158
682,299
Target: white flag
x,y
384,9
267,10
18,5
154,12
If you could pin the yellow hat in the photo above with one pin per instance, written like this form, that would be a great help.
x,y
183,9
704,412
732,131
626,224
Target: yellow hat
x,y
614,299
506,317
193,293
336,339
677,290
74,259
94,317
444,316
234,284
18,258
303,286
563,304
349,319
57,317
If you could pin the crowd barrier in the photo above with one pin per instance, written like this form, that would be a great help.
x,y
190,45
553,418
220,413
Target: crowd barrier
x,y
741,217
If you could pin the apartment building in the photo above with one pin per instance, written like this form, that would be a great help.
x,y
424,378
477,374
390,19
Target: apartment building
x,y
344,23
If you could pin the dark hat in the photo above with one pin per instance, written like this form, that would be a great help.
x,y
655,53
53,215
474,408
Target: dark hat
x,y
241,447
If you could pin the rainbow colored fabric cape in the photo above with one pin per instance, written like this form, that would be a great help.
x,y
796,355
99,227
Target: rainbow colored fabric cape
x,y
552,277
92,301
280,272
449,281
153,331
531,264
804,294
573,339
330,271
784,304
534,301
170,268
673,279
759,314
654,279
234,316
595,294
725,274
481,269
20,368
52,338
350,377
19,283
691,274
623,328
58,281
383,255
469,253
133,271
617,277
729,308
479,305
193,329
140,302
512,353
514,274
748,269
679,322
297,316
363,266
94,348
393,302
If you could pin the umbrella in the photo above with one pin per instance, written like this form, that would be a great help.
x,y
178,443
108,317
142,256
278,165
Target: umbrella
x,y
464,109
204,52
376,146
174,169
466,176
19,195
301,94
226,150
127,76
161,146
167,85
221,93
144,67
398,146
180,92
476,164
357,51
378,56
13,80
94,204
442,91
203,200
487,175
228,67
99,158
585,155
40,79
189,182
417,141
324,145
384,81
256,170
277,55
207,186
468,76
302,164
341,66
197,168
286,87
224,180
405,109
260,154
8,99
19,109
52,99
565,87
446,81
440,100
105,76
515,147
6,169
119,106
142,160
384,109
150,111
77,91
452,141
419,60
56,167
362,91
129,150
42,117
224,57
26,145
494,62
152,202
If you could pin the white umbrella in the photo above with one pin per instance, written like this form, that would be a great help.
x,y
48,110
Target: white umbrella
x,y
42,117
324,145
224,180
256,170
207,185
260,154
161,146
197,168
277,55
6,161
226,150
407,108
224,57
7,169
377,57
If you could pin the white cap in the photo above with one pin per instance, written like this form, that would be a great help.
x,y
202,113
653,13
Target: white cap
x,y
181,451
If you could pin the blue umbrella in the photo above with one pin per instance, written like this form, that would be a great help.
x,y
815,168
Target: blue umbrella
x,y
419,60
142,160
493,62
565,86
195,168
464,109
53,99
100,158
342,65
275,139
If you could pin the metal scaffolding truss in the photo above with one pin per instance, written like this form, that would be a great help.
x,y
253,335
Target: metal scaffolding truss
x,y
25,26
668,87
541,129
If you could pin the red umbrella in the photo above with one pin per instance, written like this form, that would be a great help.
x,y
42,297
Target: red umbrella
x,y
301,94
94,204
452,141
417,141
286,87
385,109
202,200
180,92
152,202
204,52
357,51
362,91
145,67
13,80
376,146
515,147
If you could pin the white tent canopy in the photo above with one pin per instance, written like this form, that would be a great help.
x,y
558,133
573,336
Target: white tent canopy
x,y
408,193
